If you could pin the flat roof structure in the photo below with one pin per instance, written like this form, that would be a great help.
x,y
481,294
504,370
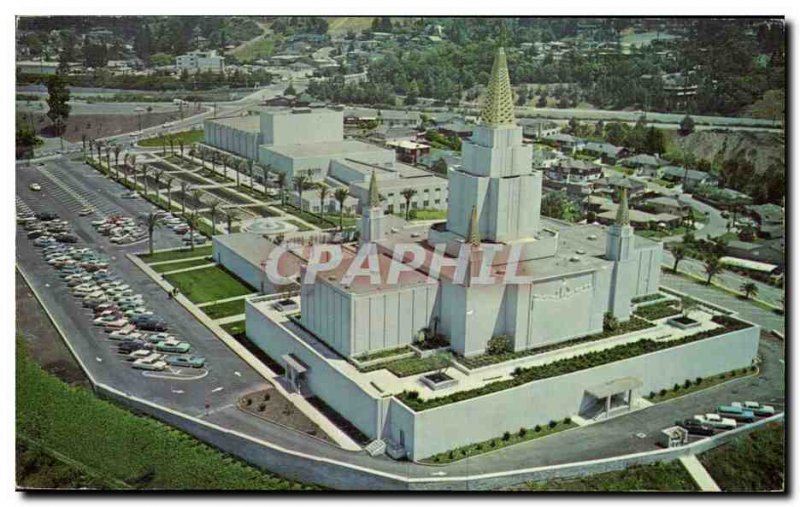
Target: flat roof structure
x,y
248,123
332,149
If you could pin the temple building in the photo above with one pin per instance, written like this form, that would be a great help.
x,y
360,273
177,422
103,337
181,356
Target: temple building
x,y
367,339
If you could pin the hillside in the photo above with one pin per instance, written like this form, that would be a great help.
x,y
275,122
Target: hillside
x,y
750,161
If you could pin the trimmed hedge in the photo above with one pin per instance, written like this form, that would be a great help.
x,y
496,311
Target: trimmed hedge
x,y
523,376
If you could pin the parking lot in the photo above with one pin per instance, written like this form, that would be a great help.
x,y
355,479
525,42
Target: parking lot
x,y
224,378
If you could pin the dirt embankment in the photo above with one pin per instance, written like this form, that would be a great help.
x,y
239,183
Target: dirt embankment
x,y
96,126
765,150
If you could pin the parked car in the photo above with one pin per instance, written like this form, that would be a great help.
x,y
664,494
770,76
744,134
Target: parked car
x,y
115,324
186,361
736,413
85,211
129,346
755,407
152,362
35,187
717,421
695,427
173,347
152,325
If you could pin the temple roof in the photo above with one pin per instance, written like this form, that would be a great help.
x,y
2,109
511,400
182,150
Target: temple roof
x,y
623,213
499,106
374,199
474,233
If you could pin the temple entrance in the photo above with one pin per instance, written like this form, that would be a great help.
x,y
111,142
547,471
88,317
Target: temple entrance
x,y
609,399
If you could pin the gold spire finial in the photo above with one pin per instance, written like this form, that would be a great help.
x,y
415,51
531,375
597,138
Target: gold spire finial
x,y
499,106
473,231
623,213
374,199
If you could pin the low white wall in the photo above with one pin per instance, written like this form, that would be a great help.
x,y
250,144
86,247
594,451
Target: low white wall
x,y
252,275
478,419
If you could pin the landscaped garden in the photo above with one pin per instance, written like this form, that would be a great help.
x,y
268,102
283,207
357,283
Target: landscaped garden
x,y
226,309
311,218
751,463
120,446
208,284
188,137
174,266
413,365
506,439
658,310
689,386
569,365
174,255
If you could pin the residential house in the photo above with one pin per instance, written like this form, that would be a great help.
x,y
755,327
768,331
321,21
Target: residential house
x,y
608,153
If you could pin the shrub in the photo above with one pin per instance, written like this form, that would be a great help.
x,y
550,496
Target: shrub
x,y
248,402
610,323
537,429
266,396
262,407
451,455
753,368
522,432
567,420
651,395
500,344
687,384
413,395
479,447
493,444
676,387
506,436
698,381
662,392
552,424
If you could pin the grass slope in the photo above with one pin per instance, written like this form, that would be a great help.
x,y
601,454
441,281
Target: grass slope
x,y
141,452
658,477
208,284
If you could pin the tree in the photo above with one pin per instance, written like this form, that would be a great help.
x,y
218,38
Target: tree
x,y
153,221
58,108
687,305
290,90
230,215
750,289
26,140
408,194
184,187
213,207
440,166
197,196
301,183
686,126
281,185
679,252
192,221
168,181
117,150
323,193
145,170
713,266
340,194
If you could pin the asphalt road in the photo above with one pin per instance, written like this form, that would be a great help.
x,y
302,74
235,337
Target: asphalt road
x,y
234,377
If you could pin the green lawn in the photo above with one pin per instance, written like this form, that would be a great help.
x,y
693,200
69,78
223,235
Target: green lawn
x,y
311,218
505,440
208,284
750,463
408,366
670,476
235,328
174,266
139,451
221,310
174,255
188,136
300,225
428,214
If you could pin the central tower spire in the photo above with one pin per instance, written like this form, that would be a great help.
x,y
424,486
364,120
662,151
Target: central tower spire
x,y
499,106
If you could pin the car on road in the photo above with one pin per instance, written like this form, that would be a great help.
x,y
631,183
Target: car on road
x,y
716,421
695,427
85,211
129,195
186,361
35,187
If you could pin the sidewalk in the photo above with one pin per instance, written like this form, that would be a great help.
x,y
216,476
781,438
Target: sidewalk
x,y
226,300
341,439
699,474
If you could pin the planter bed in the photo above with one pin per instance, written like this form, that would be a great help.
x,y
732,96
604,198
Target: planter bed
x,y
660,310
560,367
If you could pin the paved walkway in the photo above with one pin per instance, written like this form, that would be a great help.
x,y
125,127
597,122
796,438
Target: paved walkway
x,y
230,319
218,301
190,268
338,436
699,474
175,261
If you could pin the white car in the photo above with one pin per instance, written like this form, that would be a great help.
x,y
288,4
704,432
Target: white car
x,y
35,187
717,421
152,362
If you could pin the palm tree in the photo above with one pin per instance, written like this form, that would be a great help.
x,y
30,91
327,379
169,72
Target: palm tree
x,y
145,170
133,168
237,166
250,173
408,194
184,186
117,150
180,144
135,182
201,154
301,183
168,181
282,185
157,174
679,252
83,140
230,215
266,171
323,193
713,266
213,206
750,289
340,194
153,220
108,159
171,145
91,148
192,222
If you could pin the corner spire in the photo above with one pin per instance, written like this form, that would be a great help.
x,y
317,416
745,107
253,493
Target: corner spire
x,y
473,232
623,213
374,199
499,106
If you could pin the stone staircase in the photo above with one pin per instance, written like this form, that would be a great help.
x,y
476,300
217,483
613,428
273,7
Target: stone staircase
x,y
376,447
